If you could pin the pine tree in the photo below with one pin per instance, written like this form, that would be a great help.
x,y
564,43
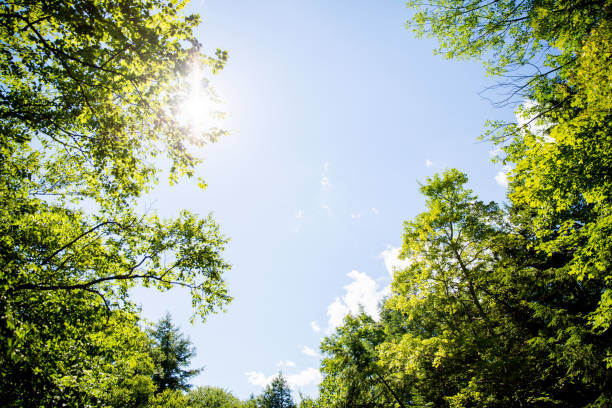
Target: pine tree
x,y
172,355
277,394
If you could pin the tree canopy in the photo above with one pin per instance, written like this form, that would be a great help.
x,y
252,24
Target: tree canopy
x,y
504,306
555,56
90,93
499,305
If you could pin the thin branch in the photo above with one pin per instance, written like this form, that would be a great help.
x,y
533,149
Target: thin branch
x,y
73,241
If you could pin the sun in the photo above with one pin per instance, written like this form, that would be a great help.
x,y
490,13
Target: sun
x,y
199,107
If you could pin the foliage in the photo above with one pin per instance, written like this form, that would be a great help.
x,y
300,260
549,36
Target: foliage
x,y
212,397
477,307
169,399
555,54
89,95
307,402
483,310
277,394
352,375
171,354
65,359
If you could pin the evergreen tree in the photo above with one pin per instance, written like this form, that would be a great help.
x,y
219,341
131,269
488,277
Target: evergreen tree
x,y
277,394
172,355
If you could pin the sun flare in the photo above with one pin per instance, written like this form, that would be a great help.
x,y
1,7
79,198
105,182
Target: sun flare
x,y
199,107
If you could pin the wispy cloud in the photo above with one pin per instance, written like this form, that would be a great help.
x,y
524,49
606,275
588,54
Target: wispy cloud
x,y
361,294
390,257
286,363
299,213
325,181
305,377
428,163
309,351
315,326
355,215
258,378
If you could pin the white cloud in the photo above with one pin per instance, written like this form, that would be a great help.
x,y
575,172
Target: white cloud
x,y
299,213
315,326
336,312
305,377
529,120
360,294
391,258
310,351
502,179
428,163
258,378
375,211
287,363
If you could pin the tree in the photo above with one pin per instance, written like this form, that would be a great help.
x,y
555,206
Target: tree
x,y
307,402
352,374
91,361
277,394
90,93
172,354
212,397
482,308
478,318
553,55
510,307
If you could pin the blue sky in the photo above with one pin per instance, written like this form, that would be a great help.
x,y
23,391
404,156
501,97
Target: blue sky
x,y
336,112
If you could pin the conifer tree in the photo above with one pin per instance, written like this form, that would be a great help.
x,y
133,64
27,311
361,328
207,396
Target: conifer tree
x,y
172,355
277,394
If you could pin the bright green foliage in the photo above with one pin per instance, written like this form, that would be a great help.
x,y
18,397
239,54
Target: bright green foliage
x,y
212,397
555,54
169,399
96,83
506,307
352,375
307,402
277,394
482,309
252,402
89,94
171,354
68,360
479,318
508,34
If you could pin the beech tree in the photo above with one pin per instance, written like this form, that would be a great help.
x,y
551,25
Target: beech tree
x,y
90,94
553,55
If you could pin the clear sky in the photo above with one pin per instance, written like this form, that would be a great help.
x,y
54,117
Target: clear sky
x,y
337,112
